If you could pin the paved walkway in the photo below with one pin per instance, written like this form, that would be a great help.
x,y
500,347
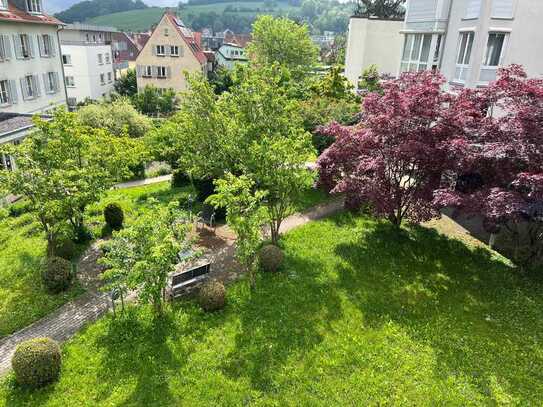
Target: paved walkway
x,y
71,317
142,182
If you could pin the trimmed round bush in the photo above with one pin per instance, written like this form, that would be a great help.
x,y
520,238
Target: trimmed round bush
x,y
114,216
57,275
37,362
64,248
270,258
204,188
179,178
212,296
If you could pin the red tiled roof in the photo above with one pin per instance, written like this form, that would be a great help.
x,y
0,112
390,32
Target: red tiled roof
x,y
15,15
210,55
239,39
190,40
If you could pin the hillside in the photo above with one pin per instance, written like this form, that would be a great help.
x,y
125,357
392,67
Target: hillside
x,y
92,8
238,16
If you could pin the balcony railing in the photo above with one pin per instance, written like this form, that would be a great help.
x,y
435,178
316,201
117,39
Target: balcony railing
x,y
488,74
461,73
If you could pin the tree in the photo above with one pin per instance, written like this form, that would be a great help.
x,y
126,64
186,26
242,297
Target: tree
x,y
335,85
221,80
63,166
498,151
127,84
280,40
119,117
142,256
153,102
370,80
380,8
244,215
394,159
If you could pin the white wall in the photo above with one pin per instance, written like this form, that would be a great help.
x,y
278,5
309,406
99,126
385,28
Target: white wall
x,y
14,69
372,41
86,71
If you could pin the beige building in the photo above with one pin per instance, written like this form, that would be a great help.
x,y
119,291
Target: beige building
x,y
172,49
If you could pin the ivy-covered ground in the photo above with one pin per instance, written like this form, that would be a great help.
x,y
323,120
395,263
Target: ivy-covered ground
x,y
23,298
358,315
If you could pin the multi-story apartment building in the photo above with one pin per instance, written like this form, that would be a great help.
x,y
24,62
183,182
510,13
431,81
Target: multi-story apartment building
x,y
468,40
172,49
88,62
31,78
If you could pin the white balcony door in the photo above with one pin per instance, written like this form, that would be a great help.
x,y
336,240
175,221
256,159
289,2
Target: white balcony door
x,y
464,56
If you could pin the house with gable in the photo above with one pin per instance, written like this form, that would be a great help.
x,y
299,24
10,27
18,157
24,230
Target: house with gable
x,y
172,49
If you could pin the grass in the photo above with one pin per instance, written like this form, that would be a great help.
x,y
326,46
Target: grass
x,y
23,298
360,314
144,19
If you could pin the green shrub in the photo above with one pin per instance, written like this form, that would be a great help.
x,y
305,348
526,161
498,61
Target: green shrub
x,y
37,362
62,247
212,296
270,258
19,208
179,178
57,275
157,169
114,216
204,188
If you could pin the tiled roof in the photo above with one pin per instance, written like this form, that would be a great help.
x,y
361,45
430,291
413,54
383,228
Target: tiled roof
x,y
189,39
13,14
12,122
210,55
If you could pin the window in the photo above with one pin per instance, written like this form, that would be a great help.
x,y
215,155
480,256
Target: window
x,y
45,44
502,9
50,81
100,59
160,50
70,82
33,6
493,56
174,50
23,46
4,92
473,9
30,87
5,50
161,72
166,32
3,4
147,71
87,37
416,52
109,77
464,55
102,79
108,59
66,59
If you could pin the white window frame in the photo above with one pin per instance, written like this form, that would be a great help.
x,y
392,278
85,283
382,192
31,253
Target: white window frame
x,y
463,57
51,83
100,59
4,50
492,70
108,58
34,6
418,62
161,72
158,49
5,92
70,82
67,58
147,71
30,87
176,49
47,45
25,46
109,77
102,79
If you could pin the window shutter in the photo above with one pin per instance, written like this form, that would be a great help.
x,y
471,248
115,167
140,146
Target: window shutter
x,y
52,46
36,85
181,51
41,45
154,71
473,9
31,46
153,49
13,92
46,83
24,91
167,50
57,82
169,71
7,47
502,8
138,71
17,46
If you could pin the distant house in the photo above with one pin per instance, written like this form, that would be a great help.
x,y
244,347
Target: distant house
x,y
228,55
171,50
125,52
31,76
214,42
88,62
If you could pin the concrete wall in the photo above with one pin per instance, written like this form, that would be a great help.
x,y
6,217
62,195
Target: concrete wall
x,y
372,41
14,69
86,71
185,62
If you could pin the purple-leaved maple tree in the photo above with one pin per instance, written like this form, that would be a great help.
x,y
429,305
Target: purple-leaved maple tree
x,y
394,159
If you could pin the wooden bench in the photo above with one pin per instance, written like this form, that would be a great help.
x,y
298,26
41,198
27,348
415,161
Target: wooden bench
x,y
180,283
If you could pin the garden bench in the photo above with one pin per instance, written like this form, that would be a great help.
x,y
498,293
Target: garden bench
x,y
182,281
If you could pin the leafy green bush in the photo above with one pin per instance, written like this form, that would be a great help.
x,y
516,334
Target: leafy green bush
x,y
62,247
37,362
270,258
114,216
19,208
57,275
212,296
204,188
157,169
179,178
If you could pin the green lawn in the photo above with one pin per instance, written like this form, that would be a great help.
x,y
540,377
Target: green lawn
x,y
23,299
359,315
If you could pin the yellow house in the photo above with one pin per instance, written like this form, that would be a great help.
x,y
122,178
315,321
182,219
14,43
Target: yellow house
x,y
172,49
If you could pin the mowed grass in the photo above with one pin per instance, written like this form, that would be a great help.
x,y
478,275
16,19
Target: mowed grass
x,y
359,315
144,19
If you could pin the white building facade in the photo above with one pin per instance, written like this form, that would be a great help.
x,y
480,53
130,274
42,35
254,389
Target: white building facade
x,y
31,75
468,40
88,62
228,55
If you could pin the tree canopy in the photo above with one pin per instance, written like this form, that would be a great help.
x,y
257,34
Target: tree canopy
x,y
380,8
